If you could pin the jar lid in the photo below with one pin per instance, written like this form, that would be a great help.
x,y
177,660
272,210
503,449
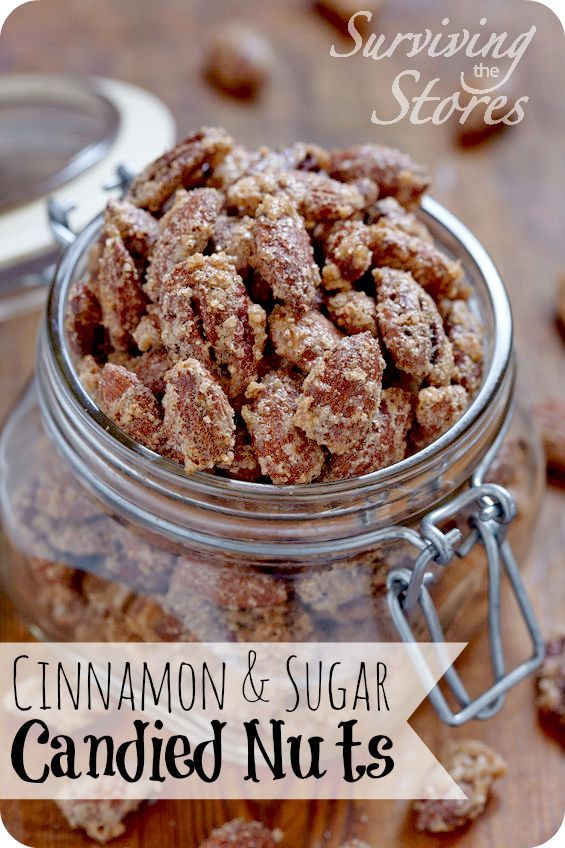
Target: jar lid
x,y
64,137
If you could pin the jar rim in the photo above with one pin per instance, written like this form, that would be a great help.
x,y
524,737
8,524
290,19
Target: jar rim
x,y
436,215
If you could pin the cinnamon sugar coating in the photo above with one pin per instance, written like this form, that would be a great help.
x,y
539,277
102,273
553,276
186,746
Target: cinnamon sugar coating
x,y
341,394
285,454
384,444
185,165
198,423
394,172
411,328
475,767
130,404
102,820
283,253
275,283
301,340
185,229
353,312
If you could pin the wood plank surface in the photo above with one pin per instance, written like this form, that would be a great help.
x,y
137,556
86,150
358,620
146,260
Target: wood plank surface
x,y
509,191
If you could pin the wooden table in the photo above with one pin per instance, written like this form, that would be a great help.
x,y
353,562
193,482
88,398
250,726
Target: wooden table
x,y
509,192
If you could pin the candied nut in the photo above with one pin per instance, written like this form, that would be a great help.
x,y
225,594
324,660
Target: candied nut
x,y
233,326
183,166
151,368
283,253
119,289
465,332
245,465
234,237
482,116
330,588
342,393
102,820
130,404
180,331
148,621
339,12
348,255
239,59
237,162
550,415
389,213
138,229
319,198
474,766
439,275
301,340
437,409
231,586
89,375
283,623
411,328
241,834
147,334
394,172
83,321
285,454
353,312
186,229
199,422
384,444
550,682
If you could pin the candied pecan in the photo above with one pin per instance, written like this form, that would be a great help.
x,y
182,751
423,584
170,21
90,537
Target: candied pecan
x,y
102,820
130,404
353,312
437,409
394,172
239,59
339,12
301,340
120,293
233,325
186,229
474,766
89,375
283,253
320,198
234,236
184,165
180,327
348,254
329,589
285,454
83,321
389,212
234,166
199,422
439,275
245,465
282,623
384,444
240,833
147,334
342,393
550,415
148,621
229,586
139,230
550,682
411,328
151,368
465,332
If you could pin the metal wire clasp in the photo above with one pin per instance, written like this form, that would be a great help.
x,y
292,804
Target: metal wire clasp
x,y
493,511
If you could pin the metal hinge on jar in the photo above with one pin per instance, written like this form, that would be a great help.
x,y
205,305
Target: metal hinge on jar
x,y
408,591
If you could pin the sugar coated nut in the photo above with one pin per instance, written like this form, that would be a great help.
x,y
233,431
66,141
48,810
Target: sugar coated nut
x,y
474,767
240,833
199,422
239,59
342,393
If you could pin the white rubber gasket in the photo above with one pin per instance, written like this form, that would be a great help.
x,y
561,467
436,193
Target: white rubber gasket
x,y
147,128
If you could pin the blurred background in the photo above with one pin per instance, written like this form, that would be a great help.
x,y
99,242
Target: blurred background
x,y
506,186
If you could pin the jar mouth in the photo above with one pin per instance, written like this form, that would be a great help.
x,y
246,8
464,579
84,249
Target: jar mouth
x,y
488,288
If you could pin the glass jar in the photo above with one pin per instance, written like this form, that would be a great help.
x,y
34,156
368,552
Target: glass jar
x,y
108,541
62,136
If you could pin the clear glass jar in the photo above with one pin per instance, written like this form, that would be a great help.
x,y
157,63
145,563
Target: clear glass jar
x,y
108,541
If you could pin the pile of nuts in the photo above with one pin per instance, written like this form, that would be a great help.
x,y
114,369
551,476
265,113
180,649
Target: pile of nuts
x,y
275,316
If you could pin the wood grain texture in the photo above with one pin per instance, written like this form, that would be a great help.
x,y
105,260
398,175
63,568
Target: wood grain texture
x,y
509,192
